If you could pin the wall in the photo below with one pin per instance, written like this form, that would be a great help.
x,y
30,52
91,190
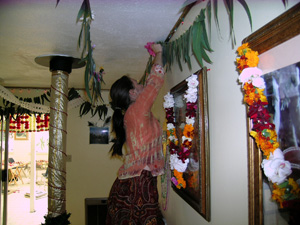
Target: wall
x,y
91,172
227,118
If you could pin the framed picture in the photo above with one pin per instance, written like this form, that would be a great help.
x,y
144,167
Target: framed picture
x,y
21,136
197,191
281,29
99,135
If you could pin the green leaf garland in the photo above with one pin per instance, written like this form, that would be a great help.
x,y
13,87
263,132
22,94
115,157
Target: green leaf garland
x,y
195,37
84,41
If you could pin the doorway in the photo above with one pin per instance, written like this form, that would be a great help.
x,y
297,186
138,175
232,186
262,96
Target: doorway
x,y
26,199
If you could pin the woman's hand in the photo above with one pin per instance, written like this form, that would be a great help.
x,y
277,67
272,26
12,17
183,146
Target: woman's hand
x,y
156,48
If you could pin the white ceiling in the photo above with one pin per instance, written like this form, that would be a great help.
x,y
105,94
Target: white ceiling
x,y
121,28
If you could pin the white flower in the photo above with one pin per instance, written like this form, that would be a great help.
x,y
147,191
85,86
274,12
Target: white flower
x,y
253,74
258,82
189,120
172,138
169,101
185,138
177,164
170,126
191,90
192,81
276,168
191,97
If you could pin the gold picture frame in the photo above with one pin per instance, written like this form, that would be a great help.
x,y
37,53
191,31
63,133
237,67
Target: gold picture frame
x,y
21,136
279,30
197,191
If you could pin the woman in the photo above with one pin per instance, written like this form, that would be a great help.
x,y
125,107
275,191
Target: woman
x,y
133,198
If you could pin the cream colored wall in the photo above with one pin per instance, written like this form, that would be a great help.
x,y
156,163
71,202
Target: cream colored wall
x,y
227,118
91,172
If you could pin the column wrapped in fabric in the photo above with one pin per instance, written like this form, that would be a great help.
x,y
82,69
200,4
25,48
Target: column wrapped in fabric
x,y
57,144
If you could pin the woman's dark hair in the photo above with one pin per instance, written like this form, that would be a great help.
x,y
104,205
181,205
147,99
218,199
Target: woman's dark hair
x,y
120,101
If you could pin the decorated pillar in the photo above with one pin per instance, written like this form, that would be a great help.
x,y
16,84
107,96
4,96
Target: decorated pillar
x,y
60,66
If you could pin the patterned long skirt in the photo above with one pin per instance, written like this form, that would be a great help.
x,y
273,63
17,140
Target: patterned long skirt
x,y
134,201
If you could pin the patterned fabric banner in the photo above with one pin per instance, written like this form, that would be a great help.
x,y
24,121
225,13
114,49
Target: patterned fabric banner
x,y
26,123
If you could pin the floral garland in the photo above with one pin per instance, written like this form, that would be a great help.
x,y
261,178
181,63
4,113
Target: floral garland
x,y
284,190
179,154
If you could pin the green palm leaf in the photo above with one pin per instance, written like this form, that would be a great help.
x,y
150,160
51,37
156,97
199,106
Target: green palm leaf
x,y
208,16
82,11
178,52
229,7
215,6
204,38
244,4
200,40
80,36
195,44
186,48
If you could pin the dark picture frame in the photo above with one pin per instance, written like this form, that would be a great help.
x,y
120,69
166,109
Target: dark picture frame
x,y
99,135
274,33
197,175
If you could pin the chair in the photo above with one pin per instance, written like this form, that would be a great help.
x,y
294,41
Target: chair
x,y
12,173
12,176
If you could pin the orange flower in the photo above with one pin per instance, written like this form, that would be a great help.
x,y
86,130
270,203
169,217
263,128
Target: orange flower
x,y
295,187
251,95
248,88
171,132
262,96
252,58
242,63
251,98
277,194
187,143
188,131
181,183
168,133
243,49
266,141
180,180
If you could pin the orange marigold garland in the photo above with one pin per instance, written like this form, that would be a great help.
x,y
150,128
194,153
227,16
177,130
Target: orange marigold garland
x,y
284,191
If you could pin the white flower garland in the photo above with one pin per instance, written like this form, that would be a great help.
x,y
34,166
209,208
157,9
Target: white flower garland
x,y
39,108
179,154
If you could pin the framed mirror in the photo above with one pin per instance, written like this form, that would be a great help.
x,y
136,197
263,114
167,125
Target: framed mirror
x,y
197,190
278,31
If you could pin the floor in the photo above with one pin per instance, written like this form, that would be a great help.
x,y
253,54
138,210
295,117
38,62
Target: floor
x,y
18,208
